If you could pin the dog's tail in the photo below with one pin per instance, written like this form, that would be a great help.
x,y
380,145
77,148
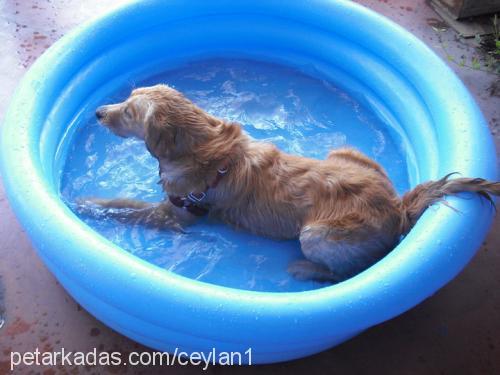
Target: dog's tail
x,y
417,200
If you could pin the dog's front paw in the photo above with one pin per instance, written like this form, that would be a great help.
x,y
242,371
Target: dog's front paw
x,y
87,206
88,201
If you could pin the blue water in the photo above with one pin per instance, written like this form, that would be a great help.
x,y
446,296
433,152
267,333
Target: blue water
x,y
300,114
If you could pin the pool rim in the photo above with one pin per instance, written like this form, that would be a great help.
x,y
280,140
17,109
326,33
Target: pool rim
x,y
46,205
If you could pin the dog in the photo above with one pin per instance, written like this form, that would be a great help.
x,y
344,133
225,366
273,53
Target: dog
x,y
344,209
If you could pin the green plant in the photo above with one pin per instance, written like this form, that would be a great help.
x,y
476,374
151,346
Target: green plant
x,y
496,34
489,60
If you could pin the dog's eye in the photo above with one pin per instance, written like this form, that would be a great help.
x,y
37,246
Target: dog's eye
x,y
127,113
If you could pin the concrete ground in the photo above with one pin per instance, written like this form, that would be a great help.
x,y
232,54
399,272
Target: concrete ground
x,y
456,331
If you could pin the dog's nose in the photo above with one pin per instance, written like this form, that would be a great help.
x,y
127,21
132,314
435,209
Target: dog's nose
x,y
100,113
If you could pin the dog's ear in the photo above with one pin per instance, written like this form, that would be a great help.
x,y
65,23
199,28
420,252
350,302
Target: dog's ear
x,y
159,136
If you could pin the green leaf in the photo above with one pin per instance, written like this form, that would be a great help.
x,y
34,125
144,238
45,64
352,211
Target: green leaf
x,y
475,63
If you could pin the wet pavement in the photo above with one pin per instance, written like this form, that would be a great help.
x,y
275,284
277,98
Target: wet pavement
x,y
456,331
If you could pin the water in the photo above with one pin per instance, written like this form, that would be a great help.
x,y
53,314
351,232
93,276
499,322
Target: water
x,y
300,114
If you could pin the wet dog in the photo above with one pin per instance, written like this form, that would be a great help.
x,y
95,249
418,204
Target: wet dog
x,y
344,209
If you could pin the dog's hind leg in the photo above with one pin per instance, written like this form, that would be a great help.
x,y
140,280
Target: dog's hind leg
x,y
337,249
307,270
159,215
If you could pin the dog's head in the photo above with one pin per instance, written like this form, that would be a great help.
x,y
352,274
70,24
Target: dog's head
x,y
128,118
190,144
170,124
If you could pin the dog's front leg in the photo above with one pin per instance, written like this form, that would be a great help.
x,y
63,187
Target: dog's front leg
x,y
163,215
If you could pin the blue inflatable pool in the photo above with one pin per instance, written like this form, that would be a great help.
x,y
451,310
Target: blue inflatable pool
x,y
351,48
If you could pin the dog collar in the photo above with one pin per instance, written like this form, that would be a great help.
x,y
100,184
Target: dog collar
x,y
193,202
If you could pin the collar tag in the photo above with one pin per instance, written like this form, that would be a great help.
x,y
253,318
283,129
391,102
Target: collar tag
x,y
196,197
222,170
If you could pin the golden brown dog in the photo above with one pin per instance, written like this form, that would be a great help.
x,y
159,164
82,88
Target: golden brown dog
x,y
344,209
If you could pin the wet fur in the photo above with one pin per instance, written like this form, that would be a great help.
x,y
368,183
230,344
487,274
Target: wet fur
x,y
344,210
